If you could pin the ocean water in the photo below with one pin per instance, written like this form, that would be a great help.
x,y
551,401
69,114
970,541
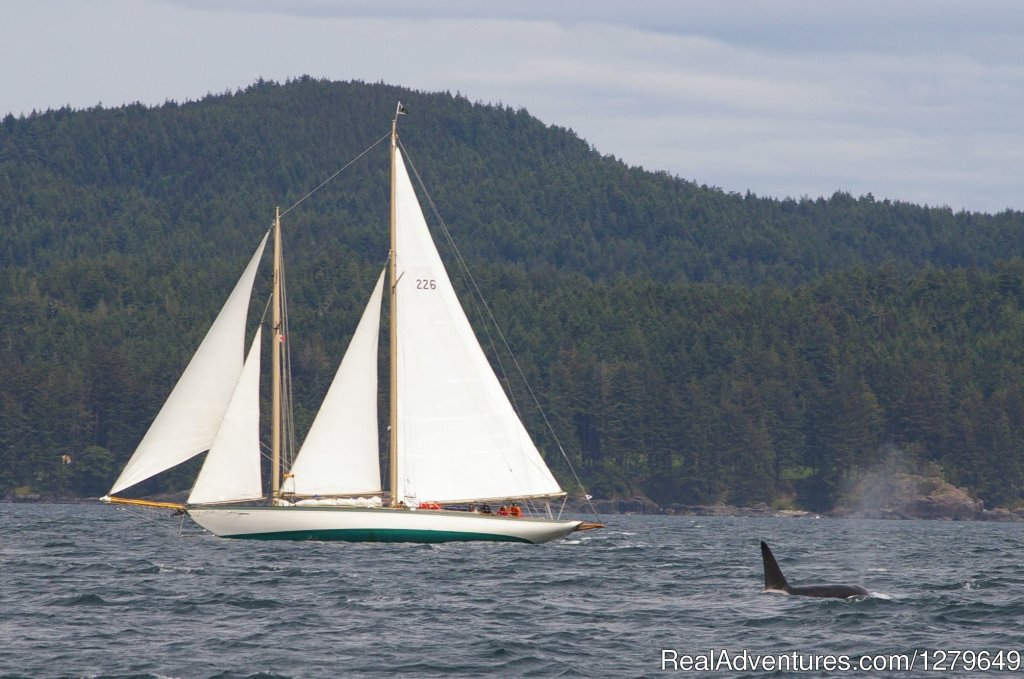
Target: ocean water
x,y
95,591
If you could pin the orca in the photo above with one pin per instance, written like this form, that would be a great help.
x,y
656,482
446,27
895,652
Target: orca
x,y
775,581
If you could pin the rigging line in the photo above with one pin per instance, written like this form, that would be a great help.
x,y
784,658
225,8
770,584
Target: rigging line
x,y
289,394
265,452
329,179
266,310
497,327
477,297
142,515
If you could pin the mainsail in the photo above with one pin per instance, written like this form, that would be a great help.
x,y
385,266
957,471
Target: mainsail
x,y
459,438
188,421
340,455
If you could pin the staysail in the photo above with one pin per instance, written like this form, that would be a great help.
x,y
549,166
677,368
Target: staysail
x,y
459,438
231,471
340,455
189,419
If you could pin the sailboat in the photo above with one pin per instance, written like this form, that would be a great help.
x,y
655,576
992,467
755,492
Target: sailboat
x,y
456,443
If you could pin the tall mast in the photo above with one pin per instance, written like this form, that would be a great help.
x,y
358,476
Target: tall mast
x,y
275,364
393,327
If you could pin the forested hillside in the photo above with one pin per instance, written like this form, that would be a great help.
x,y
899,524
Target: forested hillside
x,y
687,343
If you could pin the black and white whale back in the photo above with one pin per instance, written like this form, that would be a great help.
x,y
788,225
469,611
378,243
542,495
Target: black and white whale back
x,y
775,581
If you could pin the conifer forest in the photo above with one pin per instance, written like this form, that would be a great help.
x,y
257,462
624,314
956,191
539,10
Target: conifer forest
x,y
684,342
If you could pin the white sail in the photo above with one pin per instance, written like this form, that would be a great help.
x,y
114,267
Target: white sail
x,y
231,471
188,421
459,439
340,455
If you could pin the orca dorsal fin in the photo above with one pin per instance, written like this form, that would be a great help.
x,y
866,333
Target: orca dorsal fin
x,y
773,577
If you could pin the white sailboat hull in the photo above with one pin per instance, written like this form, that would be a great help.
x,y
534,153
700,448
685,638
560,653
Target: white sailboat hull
x,y
378,524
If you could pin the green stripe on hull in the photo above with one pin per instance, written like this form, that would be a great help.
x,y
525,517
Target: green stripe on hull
x,y
381,535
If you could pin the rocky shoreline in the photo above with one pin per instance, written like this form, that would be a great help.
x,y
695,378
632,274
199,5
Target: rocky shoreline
x,y
943,505
897,496
900,487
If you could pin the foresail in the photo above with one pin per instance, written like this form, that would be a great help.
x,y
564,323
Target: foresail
x,y
340,455
231,471
458,436
188,421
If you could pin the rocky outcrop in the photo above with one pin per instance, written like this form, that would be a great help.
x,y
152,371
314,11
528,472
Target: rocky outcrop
x,y
902,486
888,494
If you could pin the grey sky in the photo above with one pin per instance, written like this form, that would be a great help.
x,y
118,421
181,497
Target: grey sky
x,y
918,100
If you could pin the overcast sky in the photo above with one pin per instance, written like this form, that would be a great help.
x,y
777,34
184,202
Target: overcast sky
x,y
915,100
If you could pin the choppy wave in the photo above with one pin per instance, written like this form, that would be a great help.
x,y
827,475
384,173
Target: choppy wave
x,y
90,592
